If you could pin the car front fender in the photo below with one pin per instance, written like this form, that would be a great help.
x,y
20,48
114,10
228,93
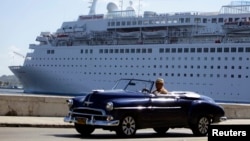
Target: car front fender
x,y
212,110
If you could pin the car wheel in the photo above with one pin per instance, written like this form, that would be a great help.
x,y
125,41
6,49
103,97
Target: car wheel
x,y
84,130
161,130
127,127
200,128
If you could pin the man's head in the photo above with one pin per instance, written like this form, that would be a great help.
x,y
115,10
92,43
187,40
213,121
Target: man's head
x,y
159,83
159,80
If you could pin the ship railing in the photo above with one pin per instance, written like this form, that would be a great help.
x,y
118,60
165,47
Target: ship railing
x,y
184,14
236,7
101,34
209,33
204,41
15,67
119,14
236,24
28,57
33,46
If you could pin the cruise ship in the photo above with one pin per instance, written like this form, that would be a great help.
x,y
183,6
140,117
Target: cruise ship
x,y
203,52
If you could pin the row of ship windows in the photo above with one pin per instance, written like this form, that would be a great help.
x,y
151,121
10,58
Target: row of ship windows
x,y
166,50
154,66
186,75
173,75
175,50
149,58
163,20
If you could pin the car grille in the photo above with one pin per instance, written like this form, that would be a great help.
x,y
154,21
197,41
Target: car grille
x,y
88,113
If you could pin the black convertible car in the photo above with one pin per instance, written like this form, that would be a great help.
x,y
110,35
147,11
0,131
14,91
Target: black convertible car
x,y
130,106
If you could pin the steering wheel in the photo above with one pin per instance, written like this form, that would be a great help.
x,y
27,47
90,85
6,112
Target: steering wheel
x,y
145,90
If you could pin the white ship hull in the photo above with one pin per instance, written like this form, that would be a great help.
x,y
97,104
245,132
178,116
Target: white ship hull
x,y
192,51
223,76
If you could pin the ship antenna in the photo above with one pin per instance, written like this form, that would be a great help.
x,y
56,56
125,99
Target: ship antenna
x,y
139,8
92,7
121,4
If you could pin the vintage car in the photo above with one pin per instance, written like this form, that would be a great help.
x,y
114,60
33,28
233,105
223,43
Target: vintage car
x,y
130,106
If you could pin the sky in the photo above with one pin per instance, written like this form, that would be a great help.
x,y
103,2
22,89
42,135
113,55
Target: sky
x,y
21,21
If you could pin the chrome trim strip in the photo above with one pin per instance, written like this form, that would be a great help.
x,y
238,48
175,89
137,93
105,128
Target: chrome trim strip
x,y
142,108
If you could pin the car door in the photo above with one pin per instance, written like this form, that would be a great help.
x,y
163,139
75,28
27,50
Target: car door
x,y
166,110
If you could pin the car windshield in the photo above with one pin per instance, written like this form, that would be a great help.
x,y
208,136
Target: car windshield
x,y
134,85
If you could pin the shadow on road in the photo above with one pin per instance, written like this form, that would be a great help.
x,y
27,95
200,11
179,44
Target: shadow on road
x,y
138,135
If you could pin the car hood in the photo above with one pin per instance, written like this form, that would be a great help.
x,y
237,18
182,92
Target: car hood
x,y
112,94
99,98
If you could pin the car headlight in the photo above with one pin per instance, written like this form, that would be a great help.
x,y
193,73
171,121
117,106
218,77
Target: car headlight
x,y
70,102
109,106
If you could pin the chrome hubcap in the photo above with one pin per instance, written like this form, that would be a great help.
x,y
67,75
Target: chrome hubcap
x,y
203,125
128,125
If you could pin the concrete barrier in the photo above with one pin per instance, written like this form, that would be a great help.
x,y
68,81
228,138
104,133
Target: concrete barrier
x,y
236,111
56,106
33,105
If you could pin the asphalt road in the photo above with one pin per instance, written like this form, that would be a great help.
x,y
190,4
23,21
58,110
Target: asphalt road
x,y
69,134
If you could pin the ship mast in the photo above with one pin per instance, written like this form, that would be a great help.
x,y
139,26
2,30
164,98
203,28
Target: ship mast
x,y
121,4
139,8
92,7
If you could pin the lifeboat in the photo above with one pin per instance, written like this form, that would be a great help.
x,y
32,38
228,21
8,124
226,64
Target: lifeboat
x,y
236,27
134,34
41,39
150,34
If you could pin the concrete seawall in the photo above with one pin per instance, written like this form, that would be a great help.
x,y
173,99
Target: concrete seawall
x,y
56,106
33,105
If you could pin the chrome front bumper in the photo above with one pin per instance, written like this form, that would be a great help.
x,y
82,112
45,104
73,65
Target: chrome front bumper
x,y
224,118
92,121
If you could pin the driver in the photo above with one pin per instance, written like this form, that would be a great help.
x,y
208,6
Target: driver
x,y
159,85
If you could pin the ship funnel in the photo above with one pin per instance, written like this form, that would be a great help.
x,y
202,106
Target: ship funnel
x,y
92,7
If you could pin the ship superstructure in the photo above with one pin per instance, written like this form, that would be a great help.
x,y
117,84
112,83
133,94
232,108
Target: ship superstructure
x,y
208,53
